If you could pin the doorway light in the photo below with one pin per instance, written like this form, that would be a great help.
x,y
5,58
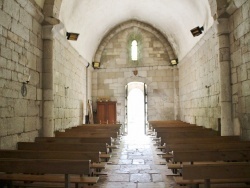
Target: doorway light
x,y
72,36
197,31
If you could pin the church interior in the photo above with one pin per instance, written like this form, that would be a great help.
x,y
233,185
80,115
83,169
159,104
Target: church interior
x,y
134,70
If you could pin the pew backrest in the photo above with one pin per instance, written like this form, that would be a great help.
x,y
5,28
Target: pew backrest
x,y
207,146
82,134
73,140
211,155
28,154
35,146
45,166
217,171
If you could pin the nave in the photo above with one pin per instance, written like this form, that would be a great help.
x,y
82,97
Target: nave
x,y
135,164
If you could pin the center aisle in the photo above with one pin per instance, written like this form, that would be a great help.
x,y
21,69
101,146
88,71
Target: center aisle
x,y
136,165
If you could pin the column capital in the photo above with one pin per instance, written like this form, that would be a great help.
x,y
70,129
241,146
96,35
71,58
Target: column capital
x,y
223,26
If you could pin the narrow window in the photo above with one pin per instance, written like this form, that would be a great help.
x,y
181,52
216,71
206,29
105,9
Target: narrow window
x,y
134,50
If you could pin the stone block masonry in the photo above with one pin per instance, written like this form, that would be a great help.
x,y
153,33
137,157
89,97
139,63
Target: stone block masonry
x,y
20,57
153,69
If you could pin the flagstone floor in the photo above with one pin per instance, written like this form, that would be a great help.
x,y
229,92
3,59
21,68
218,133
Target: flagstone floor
x,y
136,165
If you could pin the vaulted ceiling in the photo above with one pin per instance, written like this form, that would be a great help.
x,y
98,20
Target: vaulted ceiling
x,y
93,19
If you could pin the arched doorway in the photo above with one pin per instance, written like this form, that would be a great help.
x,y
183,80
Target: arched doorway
x,y
136,108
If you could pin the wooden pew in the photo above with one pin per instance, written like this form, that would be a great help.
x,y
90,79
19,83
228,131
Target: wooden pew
x,y
78,140
99,126
30,154
200,156
180,129
204,134
233,172
166,123
194,140
95,157
211,155
88,135
35,146
207,146
53,171
94,131
217,139
74,140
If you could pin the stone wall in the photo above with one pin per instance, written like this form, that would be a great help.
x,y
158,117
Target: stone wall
x,y
117,71
240,67
199,83
69,85
20,57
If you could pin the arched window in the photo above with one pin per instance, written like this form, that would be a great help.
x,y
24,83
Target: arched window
x,y
134,51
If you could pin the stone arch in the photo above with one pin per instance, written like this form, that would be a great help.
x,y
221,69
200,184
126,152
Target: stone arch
x,y
129,24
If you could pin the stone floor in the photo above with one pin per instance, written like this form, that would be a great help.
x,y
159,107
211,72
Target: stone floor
x,y
136,165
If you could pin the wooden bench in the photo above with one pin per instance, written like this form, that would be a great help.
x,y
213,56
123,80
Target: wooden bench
x,y
96,164
35,146
99,147
78,140
74,140
182,128
207,146
213,139
87,135
200,133
193,140
211,155
98,126
153,124
49,171
233,172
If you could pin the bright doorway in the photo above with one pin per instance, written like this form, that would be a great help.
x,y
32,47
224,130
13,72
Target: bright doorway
x,y
136,108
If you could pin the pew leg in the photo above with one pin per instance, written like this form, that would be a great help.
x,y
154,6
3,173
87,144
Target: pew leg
x,y
67,183
6,184
76,185
195,186
207,183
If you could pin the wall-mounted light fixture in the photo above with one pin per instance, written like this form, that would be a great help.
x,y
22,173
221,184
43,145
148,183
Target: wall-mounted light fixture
x,y
197,31
96,65
24,88
173,62
72,36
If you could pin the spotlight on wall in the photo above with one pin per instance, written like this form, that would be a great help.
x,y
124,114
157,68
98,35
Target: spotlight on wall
x,y
173,62
197,31
72,36
96,65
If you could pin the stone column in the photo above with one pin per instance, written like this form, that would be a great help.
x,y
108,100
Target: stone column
x,y
225,77
176,93
47,80
51,13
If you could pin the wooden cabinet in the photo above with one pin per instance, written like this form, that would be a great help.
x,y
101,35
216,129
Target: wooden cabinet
x,y
106,112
